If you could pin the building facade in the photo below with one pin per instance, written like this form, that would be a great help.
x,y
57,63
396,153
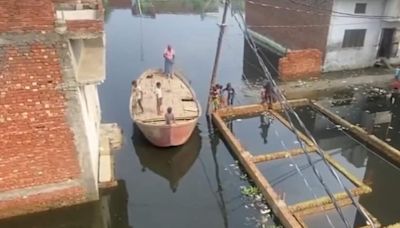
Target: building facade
x,y
348,34
360,40
52,58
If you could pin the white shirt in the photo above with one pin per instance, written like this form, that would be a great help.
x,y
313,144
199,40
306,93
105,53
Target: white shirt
x,y
137,92
158,92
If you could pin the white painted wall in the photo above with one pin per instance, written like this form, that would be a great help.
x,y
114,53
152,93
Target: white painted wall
x,y
91,116
338,58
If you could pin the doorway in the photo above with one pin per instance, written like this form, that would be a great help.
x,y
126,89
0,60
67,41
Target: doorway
x,y
386,44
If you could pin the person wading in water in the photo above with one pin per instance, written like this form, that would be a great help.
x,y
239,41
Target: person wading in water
x,y
169,57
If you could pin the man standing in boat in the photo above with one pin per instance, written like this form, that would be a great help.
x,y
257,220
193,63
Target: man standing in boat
x,y
169,57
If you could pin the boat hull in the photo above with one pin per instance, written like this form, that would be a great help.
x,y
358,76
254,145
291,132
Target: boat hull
x,y
167,135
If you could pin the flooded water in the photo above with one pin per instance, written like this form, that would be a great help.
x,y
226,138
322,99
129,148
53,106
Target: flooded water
x,y
199,184
371,109
196,185
383,202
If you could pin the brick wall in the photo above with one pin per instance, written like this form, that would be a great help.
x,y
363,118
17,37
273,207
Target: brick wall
x,y
37,145
296,36
26,15
87,26
300,64
41,202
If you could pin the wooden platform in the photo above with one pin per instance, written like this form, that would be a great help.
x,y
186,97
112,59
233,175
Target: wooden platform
x,y
289,215
176,94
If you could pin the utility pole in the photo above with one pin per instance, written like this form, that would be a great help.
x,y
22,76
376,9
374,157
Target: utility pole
x,y
221,34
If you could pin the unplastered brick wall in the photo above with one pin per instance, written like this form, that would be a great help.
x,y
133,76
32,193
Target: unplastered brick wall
x,y
37,146
91,26
300,64
26,15
41,201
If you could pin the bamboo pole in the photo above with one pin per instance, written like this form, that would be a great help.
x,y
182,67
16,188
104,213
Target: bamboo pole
x,y
281,154
221,34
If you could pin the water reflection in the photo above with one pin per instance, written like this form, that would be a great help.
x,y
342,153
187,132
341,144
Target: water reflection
x,y
252,71
367,166
170,163
371,109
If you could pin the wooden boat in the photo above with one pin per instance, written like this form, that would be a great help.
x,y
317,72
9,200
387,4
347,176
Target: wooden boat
x,y
171,163
178,94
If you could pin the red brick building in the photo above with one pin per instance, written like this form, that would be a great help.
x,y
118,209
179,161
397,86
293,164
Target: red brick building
x,y
51,60
288,28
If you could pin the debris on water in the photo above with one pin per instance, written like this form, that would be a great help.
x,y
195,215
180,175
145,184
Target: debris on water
x,y
390,127
238,120
250,191
344,81
290,164
265,211
367,111
388,139
355,88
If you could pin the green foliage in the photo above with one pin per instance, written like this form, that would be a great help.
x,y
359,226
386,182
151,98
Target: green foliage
x,y
250,191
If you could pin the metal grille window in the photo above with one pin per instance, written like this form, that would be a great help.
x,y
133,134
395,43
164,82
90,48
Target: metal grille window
x,y
361,8
354,38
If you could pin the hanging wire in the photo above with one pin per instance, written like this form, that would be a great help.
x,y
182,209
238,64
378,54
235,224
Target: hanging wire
x,y
288,109
330,12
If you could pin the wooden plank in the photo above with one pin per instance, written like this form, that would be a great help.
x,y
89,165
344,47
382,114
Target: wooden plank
x,y
277,205
280,154
163,119
372,140
255,109
317,203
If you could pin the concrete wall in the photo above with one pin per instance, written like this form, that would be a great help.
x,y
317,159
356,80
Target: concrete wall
x,y
338,58
88,98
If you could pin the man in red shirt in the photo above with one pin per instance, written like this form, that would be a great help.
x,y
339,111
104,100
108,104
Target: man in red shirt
x,y
169,57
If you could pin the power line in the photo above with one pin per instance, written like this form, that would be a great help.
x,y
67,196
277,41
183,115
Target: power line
x,y
266,72
331,13
343,13
287,108
304,25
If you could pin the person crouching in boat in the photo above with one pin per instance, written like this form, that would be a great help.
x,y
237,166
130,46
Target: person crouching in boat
x,y
137,95
169,117
158,93
169,56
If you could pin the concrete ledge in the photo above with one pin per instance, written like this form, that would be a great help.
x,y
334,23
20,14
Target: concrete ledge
x,y
84,14
110,140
